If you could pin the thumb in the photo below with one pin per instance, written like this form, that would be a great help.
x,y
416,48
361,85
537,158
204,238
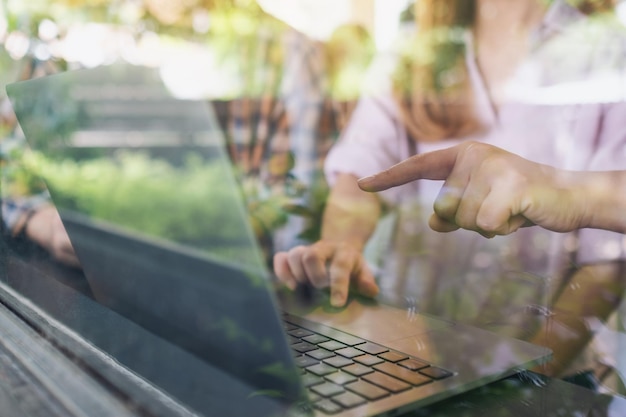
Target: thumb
x,y
365,282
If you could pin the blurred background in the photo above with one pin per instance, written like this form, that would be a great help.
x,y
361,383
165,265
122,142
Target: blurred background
x,y
187,39
279,72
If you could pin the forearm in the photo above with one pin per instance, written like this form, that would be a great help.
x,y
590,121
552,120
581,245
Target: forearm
x,y
17,213
588,298
351,214
603,194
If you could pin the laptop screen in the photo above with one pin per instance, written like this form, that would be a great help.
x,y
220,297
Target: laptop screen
x,y
152,206
113,146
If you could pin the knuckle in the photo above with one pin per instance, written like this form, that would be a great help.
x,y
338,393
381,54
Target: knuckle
x,y
345,256
487,225
472,149
295,253
464,222
444,210
310,256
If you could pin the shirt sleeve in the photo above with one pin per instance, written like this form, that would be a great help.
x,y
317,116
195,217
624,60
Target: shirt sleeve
x,y
373,140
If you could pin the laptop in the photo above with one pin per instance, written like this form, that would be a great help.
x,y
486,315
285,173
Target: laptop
x,y
156,215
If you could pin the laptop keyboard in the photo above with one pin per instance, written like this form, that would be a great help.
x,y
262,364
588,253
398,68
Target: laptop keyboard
x,y
341,371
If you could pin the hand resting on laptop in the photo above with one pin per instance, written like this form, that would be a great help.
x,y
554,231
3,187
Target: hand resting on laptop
x,y
44,227
336,261
326,264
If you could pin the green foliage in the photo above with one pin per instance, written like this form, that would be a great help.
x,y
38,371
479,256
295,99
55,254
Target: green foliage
x,y
18,179
436,54
135,191
313,211
348,53
250,42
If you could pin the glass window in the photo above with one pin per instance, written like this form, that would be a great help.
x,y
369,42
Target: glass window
x,y
179,191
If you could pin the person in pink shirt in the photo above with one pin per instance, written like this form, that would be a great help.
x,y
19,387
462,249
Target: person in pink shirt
x,y
542,80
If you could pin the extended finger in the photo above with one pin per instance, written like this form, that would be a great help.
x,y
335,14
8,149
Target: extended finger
x,y
343,264
436,165
364,279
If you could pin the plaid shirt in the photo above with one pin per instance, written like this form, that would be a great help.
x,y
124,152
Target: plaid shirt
x,y
278,133
279,137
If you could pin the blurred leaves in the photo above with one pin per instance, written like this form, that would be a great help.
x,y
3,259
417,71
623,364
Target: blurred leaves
x,y
135,191
18,179
162,16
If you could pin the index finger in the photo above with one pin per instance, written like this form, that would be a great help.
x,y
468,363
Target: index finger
x,y
436,165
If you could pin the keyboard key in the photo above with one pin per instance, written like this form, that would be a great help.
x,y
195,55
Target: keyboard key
x,y
386,382
299,333
315,339
413,364
313,396
367,390
321,369
303,347
348,399
327,406
368,360
404,374
435,373
292,340
392,356
349,352
345,338
332,345
340,378
320,354
338,361
371,348
357,369
327,389
304,361
289,326
309,380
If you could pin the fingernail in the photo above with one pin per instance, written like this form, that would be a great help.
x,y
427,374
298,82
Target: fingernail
x,y
373,290
363,182
336,299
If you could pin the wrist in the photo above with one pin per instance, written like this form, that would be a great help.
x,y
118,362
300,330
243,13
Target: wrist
x,y
603,196
20,231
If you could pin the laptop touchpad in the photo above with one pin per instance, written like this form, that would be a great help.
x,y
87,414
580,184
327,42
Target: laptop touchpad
x,y
375,322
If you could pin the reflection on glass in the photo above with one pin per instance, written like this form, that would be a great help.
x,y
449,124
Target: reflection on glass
x,y
133,190
134,158
150,201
